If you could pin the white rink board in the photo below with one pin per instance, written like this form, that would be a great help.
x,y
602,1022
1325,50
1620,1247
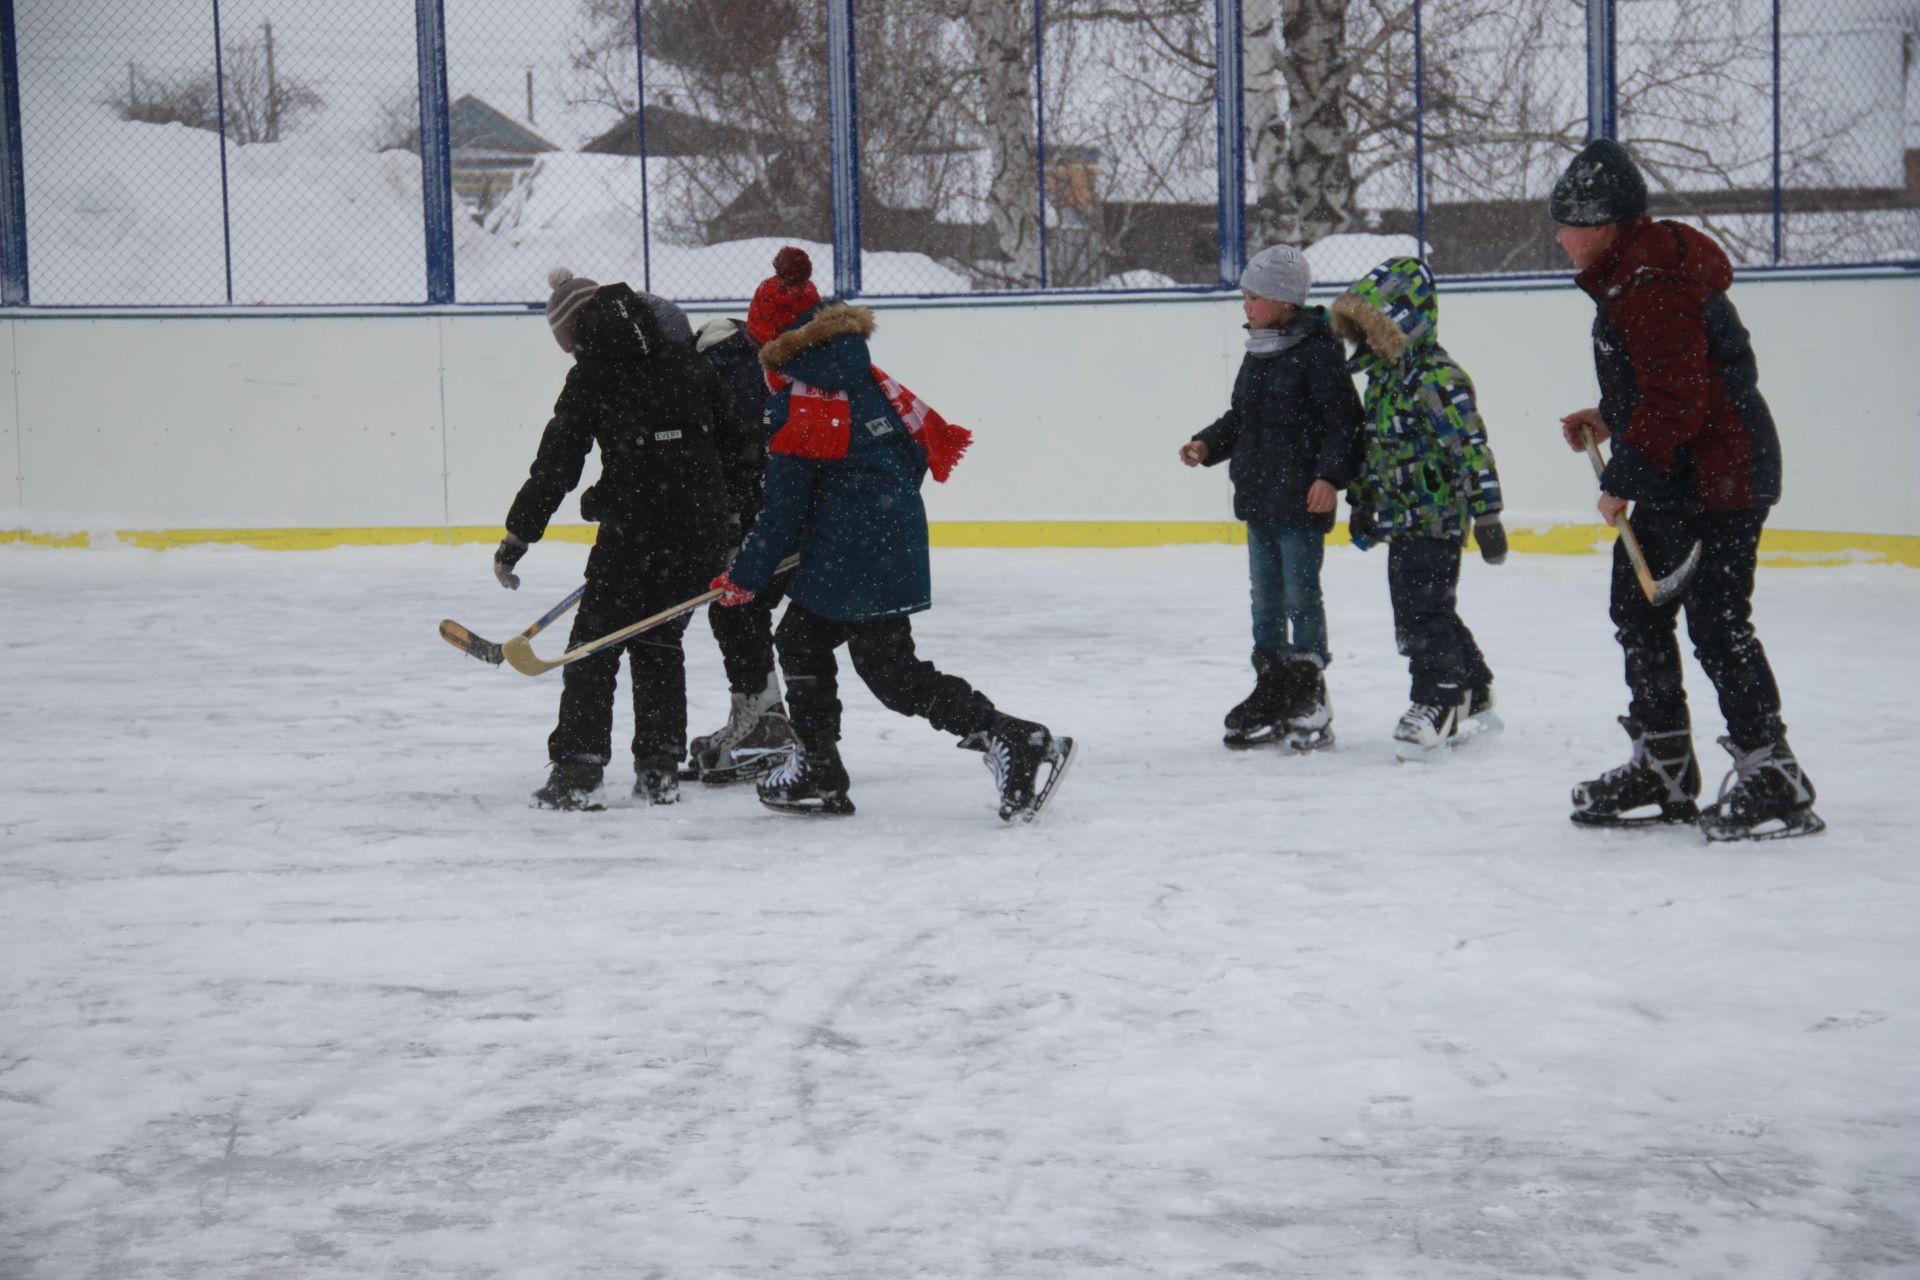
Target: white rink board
x,y
336,421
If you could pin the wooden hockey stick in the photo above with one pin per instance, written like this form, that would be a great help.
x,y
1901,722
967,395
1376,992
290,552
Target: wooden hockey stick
x,y
521,657
486,650
1657,590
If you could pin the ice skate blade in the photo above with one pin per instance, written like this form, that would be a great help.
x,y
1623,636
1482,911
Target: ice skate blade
x,y
1802,822
1480,726
1265,735
1069,751
815,807
593,804
1676,818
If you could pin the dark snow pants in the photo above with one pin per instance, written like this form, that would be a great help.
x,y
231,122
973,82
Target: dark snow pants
x,y
622,588
883,656
745,636
1719,606
1423,579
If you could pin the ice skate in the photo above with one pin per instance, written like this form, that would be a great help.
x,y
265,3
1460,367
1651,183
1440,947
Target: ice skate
x,y
1307,723
1017,751
1480,716
656,780
1256,720
1766,796
1426,729
1659,783
747,746
812,783
573,785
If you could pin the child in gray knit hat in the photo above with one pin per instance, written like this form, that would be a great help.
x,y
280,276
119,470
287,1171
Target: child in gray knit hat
x,y
1291,437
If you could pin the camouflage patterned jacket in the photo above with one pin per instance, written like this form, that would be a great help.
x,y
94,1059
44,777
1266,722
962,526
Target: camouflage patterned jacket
x,y
1428,471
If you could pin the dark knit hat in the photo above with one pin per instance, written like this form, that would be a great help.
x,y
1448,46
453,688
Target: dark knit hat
x,y
1601,185
570,293
783,297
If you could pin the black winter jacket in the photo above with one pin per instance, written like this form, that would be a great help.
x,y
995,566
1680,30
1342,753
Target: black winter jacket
x,y
736,361
662,422
1294,419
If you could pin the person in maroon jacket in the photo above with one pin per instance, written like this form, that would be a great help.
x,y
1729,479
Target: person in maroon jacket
x,y
1696,453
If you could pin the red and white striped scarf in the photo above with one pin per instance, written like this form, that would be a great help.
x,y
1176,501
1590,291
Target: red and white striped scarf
x,y
820,422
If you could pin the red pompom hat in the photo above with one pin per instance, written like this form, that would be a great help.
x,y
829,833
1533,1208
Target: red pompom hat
x,y
783,297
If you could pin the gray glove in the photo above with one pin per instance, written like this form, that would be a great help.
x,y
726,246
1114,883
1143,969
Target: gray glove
x,y
507,556
1491,535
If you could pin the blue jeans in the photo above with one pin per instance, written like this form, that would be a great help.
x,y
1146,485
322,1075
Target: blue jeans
x,y
1284,566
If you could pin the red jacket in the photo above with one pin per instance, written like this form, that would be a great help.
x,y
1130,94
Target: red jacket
x,y
1679,388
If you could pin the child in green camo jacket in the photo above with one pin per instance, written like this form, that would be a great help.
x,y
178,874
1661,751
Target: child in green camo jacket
x,y
1427,475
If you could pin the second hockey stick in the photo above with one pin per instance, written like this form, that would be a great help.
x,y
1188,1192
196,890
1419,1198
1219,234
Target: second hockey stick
x,y
486,650
521,657
1657,590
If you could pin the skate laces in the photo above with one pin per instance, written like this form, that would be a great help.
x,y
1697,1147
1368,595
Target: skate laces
x,y
789,770
999,758
1747,765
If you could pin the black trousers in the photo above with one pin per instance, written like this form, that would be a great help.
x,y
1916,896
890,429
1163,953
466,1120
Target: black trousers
x,y
883,656
1719,606
745,636
622,589
1423,580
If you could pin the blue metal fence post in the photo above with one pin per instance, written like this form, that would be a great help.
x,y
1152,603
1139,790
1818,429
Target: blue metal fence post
x,y
13,175
640,130
436,148
843,125
1419,136
1603,117
1779,221
1230,137
1040,125
220,106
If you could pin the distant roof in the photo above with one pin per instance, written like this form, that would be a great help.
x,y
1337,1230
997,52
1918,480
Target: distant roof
x,y
676,133
476,126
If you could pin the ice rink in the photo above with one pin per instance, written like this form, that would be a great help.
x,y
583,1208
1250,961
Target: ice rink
x,y
294,984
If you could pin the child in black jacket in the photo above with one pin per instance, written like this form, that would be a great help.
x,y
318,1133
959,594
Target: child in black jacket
x,y
1291,437
662,423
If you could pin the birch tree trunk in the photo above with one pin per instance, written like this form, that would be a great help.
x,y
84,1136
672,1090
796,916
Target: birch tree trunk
x,y
1002,32
1266,130
1316,182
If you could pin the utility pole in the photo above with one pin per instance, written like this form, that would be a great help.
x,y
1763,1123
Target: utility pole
x,y
273,89
530,119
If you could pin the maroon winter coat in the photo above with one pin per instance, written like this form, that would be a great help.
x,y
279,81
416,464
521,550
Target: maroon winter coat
x,y
1679,388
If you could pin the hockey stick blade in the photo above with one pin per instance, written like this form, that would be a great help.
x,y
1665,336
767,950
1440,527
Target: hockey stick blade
x,y
1674,585
470,644
521,657
486,650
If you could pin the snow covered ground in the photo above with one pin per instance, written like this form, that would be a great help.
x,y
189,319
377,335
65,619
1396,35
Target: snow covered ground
x,y
293,983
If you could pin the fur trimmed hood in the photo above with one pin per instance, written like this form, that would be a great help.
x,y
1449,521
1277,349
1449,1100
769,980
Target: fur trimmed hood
x,y
1394,305
826,322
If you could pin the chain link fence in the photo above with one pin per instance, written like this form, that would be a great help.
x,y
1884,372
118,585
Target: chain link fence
x,y
235,152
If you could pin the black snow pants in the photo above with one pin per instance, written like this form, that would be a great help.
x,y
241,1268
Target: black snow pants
x,y
625,585
745,636
883,656
1719,606
1423,580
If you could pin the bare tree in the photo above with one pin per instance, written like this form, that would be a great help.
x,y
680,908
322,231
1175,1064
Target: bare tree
x,y
261,103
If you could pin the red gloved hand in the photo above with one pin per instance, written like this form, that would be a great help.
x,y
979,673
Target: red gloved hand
x,y
731,592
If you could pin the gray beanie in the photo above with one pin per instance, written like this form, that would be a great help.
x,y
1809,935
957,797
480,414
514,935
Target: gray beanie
x,y
570,293
1280,273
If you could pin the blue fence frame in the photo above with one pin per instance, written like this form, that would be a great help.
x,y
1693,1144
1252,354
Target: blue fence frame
x,y
844,130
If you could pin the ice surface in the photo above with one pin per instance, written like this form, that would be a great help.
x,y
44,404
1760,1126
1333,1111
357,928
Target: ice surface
x,y
293,984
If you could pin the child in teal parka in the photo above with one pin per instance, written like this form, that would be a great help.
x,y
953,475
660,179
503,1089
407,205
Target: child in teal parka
x,y
1427,476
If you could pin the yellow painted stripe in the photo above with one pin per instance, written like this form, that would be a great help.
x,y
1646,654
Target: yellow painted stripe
x,y
1782,547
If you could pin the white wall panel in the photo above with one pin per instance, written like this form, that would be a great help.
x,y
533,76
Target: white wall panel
x,y
328,421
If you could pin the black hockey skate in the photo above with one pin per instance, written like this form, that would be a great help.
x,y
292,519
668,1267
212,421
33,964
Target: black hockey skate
x,y
1659,783
1256,720
573,785
656,780
1766,796
756,734
1480,716
1016,752
1307,718
811,783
